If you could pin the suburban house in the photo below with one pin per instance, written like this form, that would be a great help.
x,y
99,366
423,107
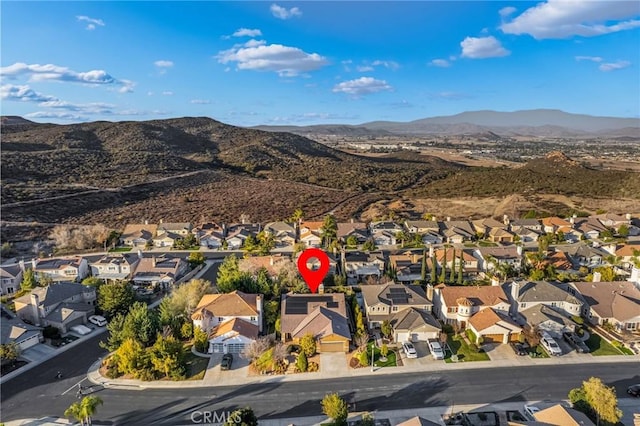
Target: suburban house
x,y
314,264
311,234
207,227
232,320
138,235
115,266
60,304
407,309
432,237
360,265
612,220
62,268
357,229
384,238
408,266
14,330
542,317
526,235
561,262
616,303
211,239
628,254
237,235
385,226
166,240
457,231
591,228
10,278
585,255
494,327
179,229
159,271
530,224
490,258
484,226
284,233
524,295
274,264
421,226
559,415
554,224
322,315
458,304
469,263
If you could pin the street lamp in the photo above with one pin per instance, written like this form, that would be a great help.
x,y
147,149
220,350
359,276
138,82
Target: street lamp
x,y
373,352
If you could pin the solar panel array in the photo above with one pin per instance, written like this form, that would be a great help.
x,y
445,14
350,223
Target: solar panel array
x,y
398,296
299,305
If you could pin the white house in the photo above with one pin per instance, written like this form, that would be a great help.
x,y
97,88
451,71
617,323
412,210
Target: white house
x,y
457,304
114,266
10,278
62,268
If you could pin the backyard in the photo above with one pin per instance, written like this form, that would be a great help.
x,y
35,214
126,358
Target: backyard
x,y
462,350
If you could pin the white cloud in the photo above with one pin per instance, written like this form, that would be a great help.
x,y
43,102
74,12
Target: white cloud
x,y
563,19
362,86
612,66
589,58
482,47
364,68
285,60
167,93
246,32
91,22
311,116
50,72
506,11
387,64
10,92
254,43
59,115
442,63
284,13
200,101
163,63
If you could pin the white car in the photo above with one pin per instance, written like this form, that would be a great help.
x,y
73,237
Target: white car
x,y
529,411
410,350
98,320
80,329
436,350
550,345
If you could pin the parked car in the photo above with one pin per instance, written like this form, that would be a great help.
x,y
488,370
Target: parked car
x,y
575,341
519,348
550,345
410,350
436,349
98,320
529,411
634,390
227,359
81,329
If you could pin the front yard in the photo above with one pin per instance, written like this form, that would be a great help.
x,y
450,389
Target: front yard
x,y
391,356
196,366
600,346
463,350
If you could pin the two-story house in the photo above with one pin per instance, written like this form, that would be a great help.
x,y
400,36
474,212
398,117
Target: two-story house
x,y
60,304
113,267
311,234
457,304
358,266
407,267
490,258
238,233
358,230
457,231
138,235
159,271
421,226
616,303
14,330
407,309
283,233
10,278
232,320
73,268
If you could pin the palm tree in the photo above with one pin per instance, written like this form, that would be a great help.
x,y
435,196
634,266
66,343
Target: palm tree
x,y
75,412
89,406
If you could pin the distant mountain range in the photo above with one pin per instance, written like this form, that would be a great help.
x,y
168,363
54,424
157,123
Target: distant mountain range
x,y
538,122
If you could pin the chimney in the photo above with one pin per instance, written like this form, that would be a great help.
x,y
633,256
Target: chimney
x,y
431,250
597,276
21,263
430,292
146,222
139,254
495,281
34,262
271,260
259,310
35,306
353,221
161,220
515,290
635,275
153,261
321,289
519,250
505,219
627,216
448,218
572,219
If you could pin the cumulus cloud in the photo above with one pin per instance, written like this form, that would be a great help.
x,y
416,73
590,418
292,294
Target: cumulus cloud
x,y
284,60
364,68
612,66
362,86
311,116
58,115
200,101
50,72
387,64
284,13
589,58
24,93
91,22
442,63
162,63
246,32
482,47
506,11
556,19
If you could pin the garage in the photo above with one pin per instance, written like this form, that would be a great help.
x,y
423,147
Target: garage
x,y
235,348
402,337
493,338
332,347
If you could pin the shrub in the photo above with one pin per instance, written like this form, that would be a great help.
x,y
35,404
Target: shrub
x,y
51,332
186,331
363,358
301,363
471,335
313,367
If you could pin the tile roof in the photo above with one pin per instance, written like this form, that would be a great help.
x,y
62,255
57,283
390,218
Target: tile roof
x,y
134,231
296,307
394,294
55,293
13,329
558,415
619,299
234,304
57,263
479,295
10,271
502,252
412,318
67,311
234,327
488,318
542,313
544,291
323,322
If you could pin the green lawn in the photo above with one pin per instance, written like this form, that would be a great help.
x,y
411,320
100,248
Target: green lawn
x,y
391,357
120,250
464,352
622,348
599,346
538,352
196,366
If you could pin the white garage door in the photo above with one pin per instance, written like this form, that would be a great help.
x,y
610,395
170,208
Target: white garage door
x,y
235,348
403,337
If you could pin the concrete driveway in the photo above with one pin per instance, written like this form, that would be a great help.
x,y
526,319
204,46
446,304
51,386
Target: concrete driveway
x,y
333,364
424,356
39,352
237,374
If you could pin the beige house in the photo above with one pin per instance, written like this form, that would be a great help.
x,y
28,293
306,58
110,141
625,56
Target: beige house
x,y
115,267
180,229
159,271
322,315
494,327
10,279
138,235
274,264
62,268
60,305
458,304
14,330
558,415
616,303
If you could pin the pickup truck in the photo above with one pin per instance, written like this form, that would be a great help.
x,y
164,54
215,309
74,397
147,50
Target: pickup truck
x,y
574,340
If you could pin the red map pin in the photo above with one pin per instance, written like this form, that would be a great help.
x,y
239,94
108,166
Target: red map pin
x,y
313,278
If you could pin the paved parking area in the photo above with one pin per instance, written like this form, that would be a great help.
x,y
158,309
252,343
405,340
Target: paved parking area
x,y
237,374
424,356
333,363
499,352
38,352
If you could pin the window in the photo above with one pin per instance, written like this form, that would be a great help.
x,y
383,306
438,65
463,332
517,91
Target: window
x,y
523,305
452,310
394,309
254,319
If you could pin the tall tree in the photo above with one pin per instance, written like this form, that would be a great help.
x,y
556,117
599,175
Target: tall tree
x,y
167,356
423,267
596,398
461,268
75,412
336,408
88,407
443,273
142,324
329,229
28,280
452,275
297,216
115,298
434,269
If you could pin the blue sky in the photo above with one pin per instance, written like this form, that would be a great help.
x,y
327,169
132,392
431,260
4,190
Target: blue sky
x,y
250,63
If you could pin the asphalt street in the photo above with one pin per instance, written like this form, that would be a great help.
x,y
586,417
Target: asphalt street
x,y
37,393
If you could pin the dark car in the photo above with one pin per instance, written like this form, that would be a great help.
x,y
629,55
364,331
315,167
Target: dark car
x,y
519,348
634,390
227,359
575,341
